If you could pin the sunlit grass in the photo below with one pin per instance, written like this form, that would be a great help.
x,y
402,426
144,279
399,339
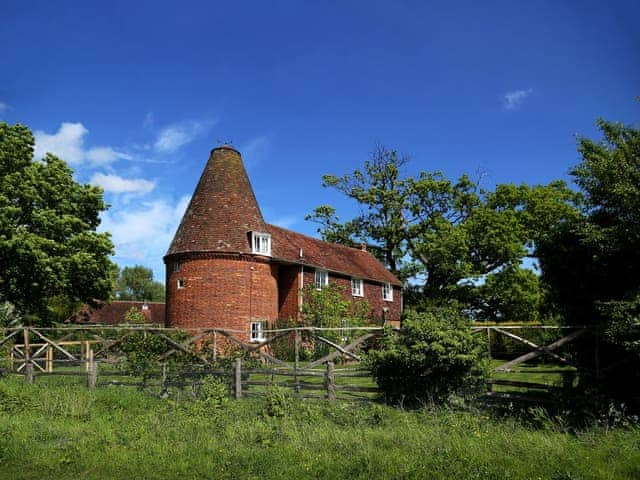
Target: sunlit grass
x,y
67,431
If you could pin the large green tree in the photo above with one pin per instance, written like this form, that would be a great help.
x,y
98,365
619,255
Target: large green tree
x,y
50,251
442,232
136,283
592,263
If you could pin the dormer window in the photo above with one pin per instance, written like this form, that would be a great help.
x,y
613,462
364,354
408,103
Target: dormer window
x,y
261,243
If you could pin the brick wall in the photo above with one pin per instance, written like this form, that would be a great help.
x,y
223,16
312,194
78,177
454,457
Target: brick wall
x,y
289,291
220,291
372,294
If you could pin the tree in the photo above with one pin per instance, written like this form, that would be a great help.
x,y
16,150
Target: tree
x,y
49,247
592,263
512,294
136,283
440,231
382,196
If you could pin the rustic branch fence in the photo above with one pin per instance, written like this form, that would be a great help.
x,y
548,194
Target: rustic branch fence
x,y
94,352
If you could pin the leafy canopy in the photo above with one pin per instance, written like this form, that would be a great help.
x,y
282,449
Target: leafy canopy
x,y
136,283
49,247
442,232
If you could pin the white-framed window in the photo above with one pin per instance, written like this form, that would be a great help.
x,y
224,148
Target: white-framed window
x,y
357,289
176,267
387,292
181,283
322,279
256,333
261,243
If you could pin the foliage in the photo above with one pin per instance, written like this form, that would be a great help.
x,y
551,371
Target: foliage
x,y
330,307
512,294
592,263
136,283
380,191
49,246
278,402
441,232
433,356
133,316
9,317
118,432
284,347
213,392
143,351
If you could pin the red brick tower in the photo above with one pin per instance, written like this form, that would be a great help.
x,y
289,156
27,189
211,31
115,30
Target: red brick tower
x,y
218,269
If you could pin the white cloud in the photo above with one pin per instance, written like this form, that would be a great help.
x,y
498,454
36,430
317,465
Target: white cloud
x,y
142,233
68,144
179,134
105,155
4,107
512,100
116,184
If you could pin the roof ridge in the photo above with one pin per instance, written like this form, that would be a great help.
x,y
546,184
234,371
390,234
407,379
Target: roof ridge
x,y
320,240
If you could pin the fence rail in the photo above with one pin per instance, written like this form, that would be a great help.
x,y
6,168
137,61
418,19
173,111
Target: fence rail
x,y
95,352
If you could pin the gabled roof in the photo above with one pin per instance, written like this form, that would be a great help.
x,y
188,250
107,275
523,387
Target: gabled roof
x,y
113,313
286,246
222,210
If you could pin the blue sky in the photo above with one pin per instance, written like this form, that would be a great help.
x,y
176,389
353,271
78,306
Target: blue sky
x,y
135,94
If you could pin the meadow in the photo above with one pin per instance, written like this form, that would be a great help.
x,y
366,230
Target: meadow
x,y
63,430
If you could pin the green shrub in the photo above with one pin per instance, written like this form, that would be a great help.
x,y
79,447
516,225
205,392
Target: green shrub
x,y
278,402
214,392
433,356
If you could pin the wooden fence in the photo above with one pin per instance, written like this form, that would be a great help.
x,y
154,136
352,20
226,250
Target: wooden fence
x,y
544,383
95,352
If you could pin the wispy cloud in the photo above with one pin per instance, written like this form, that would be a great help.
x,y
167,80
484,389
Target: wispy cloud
x,y
116,184
4,108
254,151
286,221
68,144
104,155
149,120
142,233
174,136
513,99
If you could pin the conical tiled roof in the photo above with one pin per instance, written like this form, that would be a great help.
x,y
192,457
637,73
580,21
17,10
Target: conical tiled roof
x,y
223,209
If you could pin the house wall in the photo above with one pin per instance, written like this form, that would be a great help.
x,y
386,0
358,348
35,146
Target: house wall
x,y
372,294
221,291
289,292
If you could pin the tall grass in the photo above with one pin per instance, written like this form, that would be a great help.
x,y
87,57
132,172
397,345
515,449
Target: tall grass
x,y
66,431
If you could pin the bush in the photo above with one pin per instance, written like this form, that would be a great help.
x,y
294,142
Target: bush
x,y
433,356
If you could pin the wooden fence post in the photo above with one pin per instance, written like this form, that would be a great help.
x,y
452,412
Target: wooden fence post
x,y
49,360
164,379
331,385
296,365
238,382
489,341
28,366
28,369
215,346
92,374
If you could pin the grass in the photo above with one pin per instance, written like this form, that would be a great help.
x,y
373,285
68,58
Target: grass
x,y
63,430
